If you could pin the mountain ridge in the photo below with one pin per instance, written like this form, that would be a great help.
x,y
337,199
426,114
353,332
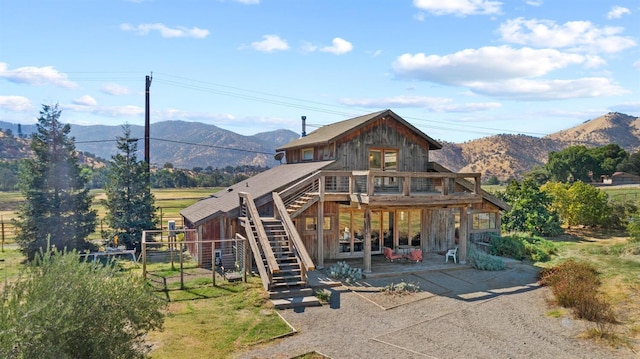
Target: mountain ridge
x,y
196,144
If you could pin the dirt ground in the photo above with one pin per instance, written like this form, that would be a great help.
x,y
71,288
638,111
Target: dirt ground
x,y
463,313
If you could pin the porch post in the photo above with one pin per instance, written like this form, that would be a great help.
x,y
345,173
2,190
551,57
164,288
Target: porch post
x,y
367,240
464,235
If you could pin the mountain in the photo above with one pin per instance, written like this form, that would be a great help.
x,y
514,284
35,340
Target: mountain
x,y
508,156
183,144
193,144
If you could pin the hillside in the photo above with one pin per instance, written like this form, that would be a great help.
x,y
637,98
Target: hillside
x,y
508,156
183,144
194,144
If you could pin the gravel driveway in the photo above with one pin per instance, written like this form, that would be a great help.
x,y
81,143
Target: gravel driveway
x,y
461,313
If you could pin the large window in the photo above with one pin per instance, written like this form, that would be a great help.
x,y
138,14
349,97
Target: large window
x,y
484,220
383,159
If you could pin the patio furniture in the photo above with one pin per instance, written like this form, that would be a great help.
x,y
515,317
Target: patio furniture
x,y
389,255
451,253
414,255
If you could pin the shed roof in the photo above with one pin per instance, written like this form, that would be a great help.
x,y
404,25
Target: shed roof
x,y
226,200
330,133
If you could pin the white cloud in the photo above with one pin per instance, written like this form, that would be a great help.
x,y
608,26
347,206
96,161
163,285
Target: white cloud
x,y
436,104
419,16
85,100
115,89
165,31
108,111
270,43
575,35
32,75
15,104
248,2
636,64
487,64
544,90
616,12
339,47
534,2
459,7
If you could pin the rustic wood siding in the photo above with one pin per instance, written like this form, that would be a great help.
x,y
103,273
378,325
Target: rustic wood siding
x,y
439,226
353,150
331,245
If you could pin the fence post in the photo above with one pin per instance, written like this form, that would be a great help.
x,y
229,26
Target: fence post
x,y
181,269
144,254
213,263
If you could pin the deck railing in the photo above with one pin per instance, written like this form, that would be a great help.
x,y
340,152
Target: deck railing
x,y
381,183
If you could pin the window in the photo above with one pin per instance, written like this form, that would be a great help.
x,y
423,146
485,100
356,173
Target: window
x,y
307,154
310,223
486,220
386,160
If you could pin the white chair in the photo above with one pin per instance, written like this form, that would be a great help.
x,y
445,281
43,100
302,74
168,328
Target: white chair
x,y
451,253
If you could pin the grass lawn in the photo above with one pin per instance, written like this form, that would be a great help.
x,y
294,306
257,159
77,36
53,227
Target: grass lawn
x,y
226,319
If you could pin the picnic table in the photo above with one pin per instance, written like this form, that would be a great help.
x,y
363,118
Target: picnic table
x,y
111,252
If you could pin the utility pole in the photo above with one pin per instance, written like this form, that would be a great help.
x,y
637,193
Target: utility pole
x,y
146,124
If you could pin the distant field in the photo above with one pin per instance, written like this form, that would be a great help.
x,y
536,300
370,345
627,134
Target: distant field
x,y
169,202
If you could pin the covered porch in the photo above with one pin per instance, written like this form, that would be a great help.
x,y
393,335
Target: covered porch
x,y
380,267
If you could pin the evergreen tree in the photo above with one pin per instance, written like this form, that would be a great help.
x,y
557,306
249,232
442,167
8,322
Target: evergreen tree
x,y
130,204
57,204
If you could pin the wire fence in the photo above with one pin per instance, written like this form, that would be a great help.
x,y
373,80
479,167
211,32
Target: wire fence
x,y
173,259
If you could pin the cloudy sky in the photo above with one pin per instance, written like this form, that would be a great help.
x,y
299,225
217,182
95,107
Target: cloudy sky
x,y
456,69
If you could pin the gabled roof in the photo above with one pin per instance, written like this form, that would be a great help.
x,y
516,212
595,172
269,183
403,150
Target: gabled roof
x,y
330,133
227,200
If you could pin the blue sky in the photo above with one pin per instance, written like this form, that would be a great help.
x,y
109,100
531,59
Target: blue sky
x,y
456,69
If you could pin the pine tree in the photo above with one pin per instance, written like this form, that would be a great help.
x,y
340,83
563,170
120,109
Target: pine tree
x,y
57,206
130,204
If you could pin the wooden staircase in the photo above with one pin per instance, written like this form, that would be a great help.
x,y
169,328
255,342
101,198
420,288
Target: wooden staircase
x,y
281,262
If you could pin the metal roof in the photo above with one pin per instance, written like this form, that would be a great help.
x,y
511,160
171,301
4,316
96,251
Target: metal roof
x,y
332,132
226,200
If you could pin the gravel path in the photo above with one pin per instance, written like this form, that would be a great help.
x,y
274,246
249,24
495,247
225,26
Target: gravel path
x,y
459,314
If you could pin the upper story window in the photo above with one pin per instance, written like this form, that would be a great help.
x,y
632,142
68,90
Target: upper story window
x,y
383,159
307,154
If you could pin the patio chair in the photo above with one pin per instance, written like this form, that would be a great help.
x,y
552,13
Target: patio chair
x,y
389,255
414,255
451,253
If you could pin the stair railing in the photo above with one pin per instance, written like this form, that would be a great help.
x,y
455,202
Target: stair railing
x,y
294,238
253,218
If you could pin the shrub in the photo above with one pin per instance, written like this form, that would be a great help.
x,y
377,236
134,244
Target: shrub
x,y
400,289
342,271
575,285
633,227
61,307
483,261
509,246
521,246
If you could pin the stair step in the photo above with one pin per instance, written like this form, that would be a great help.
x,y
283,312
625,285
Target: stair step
x,y
288,284
289,293
296,302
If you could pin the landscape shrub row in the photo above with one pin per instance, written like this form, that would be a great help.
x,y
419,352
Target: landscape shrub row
x,y
523,246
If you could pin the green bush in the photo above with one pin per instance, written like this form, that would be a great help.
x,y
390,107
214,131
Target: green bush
x,y
508,246
633,227
483,261
62,307
520,246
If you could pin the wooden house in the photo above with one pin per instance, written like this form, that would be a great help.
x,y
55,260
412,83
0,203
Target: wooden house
x,y
347,190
